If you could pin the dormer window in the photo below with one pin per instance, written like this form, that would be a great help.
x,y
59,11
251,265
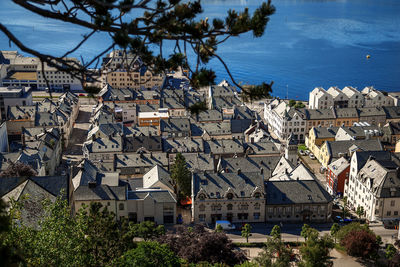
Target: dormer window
x,y
229,196
257,195
202,196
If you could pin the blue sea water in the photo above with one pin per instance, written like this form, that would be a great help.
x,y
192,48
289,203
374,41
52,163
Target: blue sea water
x,y
307,43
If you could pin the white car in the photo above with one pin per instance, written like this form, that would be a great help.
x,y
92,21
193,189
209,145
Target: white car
x,y
311,155
301,152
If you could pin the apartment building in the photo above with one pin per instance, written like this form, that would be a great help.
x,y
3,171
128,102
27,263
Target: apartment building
x,y
285,120
348,97
236,197
14,96
375,187
337,174
121,70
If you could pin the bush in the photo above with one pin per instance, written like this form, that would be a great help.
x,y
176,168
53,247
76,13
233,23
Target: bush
x,y
342,233
360,243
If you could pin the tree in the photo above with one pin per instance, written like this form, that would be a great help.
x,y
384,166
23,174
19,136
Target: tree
x,y
276,232
219,228
299,104
148,254
342,233
256,92
181,175
307,232
246,231
198,107
360,211
92,90
292,102
275,253
18,169
390,251
138,26
360,243
198,245
147,230
315,250
334,230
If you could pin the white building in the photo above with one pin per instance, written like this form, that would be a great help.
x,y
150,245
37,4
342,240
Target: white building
x,y
356,98
375,98
14,96
340,100
285,120
374,184
320,99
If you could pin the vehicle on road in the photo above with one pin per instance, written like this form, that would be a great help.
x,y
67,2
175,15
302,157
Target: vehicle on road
x,y
339,219
390,224
226,225
307,152
81,94
301,152
311,155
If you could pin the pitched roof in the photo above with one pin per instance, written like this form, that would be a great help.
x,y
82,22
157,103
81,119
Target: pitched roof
x,y
99,192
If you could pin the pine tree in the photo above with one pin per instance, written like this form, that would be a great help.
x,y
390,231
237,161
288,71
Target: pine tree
x,y
182,177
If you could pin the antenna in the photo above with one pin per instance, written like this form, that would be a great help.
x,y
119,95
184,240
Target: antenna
x,y
287,91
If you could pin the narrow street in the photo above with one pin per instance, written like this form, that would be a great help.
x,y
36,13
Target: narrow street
x,y
78,135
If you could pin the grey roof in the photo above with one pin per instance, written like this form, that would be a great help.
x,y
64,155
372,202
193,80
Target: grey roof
x,y
383,177
160,196
240,125
127,163
199,162
172,103
243,112
249,164
363,156
149,143
111,129
209,115
18,112
100,192
263,147
214,184
346,113
392,112
368,112
52,184
320,114
337,147
227,146
141,130
113,94
392,128
148,108
213,129
132,184
175,125
296,192
225,102
223,90
183,145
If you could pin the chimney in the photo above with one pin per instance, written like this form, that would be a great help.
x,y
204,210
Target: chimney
x,y
92,184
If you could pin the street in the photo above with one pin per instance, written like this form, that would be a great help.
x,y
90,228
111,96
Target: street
x,y
291,232
78,135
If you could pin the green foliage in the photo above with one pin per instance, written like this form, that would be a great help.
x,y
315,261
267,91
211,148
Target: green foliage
x,y
390,251
292,102
299,104
308,232
360,211
198,107
202,78
315,250
148,254
219,228
256,92
92,90
274,254
276,232
181,175
341,234
146,230
246,232
334,230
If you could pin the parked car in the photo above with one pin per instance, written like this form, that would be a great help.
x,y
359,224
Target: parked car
x,y
390,224
81,94
307,152
301,152
311,155
226,225
339,219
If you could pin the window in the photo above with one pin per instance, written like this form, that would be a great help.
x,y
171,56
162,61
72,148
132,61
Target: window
x,y
389,213
230,206
202,217
256,215
396,213
121,206
392,203
257,206
270,210
202,207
